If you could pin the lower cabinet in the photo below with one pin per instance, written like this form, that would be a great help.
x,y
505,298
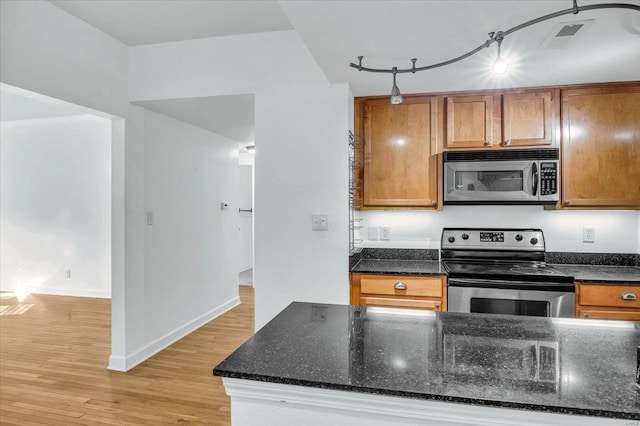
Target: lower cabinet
x,y
399,291
618,301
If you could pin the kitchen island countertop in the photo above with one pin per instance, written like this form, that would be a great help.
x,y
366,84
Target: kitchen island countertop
x,y
406,354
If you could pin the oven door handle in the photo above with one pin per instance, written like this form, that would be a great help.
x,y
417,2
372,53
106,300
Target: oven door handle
x,y
534,177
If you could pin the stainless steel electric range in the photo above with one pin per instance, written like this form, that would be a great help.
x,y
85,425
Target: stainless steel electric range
x,y
502,271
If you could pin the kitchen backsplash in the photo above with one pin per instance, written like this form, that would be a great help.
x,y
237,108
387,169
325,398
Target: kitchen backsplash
x,y
614,231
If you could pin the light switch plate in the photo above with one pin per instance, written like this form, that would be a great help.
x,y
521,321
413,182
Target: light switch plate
x,y
319,222
373,233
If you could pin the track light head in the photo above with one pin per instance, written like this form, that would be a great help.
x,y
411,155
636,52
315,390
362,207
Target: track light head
x,y
500,66
396,96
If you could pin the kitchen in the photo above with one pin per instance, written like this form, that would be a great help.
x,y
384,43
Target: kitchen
x,y
436,152
316,113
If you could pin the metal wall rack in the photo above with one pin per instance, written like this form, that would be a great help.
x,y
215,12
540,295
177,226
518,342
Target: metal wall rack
x,y
355,191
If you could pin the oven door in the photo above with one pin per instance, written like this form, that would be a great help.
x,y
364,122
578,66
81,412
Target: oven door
x,y
509,301
491,181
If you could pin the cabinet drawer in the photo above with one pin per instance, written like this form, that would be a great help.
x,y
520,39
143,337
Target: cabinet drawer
x,y
604,313
388,285
432,305
620,296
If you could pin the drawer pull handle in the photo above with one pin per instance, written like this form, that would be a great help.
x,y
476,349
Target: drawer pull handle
x,y
400,286
629,296
586,314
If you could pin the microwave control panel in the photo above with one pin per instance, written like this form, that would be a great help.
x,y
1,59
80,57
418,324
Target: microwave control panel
x,y
548,178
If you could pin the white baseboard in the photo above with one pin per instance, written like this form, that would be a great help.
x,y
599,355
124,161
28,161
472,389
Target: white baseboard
x,y
74,292
118,363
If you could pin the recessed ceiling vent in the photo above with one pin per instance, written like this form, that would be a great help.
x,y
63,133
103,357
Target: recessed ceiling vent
x,y
565,34
569,30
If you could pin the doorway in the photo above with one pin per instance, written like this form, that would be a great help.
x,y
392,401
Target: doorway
x,y
245,213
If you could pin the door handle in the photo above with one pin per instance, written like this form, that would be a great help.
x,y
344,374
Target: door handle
x,y
400,286
629,296
488,143
534,177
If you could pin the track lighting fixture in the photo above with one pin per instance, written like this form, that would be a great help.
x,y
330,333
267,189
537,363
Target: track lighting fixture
x,y
500,65
396,96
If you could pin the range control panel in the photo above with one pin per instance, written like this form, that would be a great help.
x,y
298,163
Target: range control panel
x,y
492,239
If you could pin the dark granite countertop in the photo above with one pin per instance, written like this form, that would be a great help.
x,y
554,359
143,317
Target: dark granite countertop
x,y
376,350
425,262
399,266
601,273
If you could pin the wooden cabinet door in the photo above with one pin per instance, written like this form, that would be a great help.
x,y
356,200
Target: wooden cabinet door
x,y
527,118
471,122
601,147
400,165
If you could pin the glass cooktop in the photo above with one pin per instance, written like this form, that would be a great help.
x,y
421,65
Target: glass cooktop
x,y
531,271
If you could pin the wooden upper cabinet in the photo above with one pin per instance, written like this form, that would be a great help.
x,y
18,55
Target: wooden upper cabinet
x,y
471,121
400,165
601,147
518,119
528,118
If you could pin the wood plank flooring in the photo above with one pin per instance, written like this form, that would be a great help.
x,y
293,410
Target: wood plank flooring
x,y
53,357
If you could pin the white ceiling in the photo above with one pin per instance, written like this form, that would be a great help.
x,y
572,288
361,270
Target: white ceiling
x,y
390,33
230,116
135,22
387,34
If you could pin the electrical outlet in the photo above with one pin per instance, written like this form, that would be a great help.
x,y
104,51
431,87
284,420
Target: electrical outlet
x,y
588,234
319,222
386,233
67,273
149,218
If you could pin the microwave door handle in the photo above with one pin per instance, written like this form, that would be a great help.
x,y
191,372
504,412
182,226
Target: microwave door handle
x,y
534,177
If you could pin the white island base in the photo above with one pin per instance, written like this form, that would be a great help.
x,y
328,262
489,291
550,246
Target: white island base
x,y
255,403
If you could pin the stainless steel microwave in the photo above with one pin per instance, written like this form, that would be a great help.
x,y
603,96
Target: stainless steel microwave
x,y
517,176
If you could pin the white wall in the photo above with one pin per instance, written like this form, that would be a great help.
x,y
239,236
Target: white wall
x,y
301,158
55,206
245,219
190,252
46,50
301,169
615,231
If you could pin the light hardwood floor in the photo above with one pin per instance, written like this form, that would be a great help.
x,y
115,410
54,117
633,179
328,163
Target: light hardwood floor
x,y
53,357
